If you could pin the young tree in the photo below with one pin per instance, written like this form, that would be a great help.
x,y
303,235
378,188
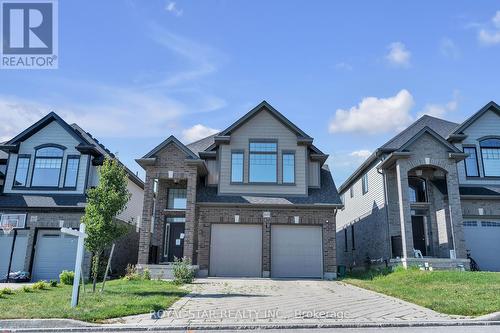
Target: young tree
x,y
104,203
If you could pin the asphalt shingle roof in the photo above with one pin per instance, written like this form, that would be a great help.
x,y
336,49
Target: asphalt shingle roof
x,y
42,201
326,195
202,144
440,126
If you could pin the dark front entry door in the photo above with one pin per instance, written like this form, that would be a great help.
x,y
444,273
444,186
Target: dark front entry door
x,y
174,241
418,229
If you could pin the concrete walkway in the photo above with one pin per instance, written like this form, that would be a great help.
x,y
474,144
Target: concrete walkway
x,y
264,301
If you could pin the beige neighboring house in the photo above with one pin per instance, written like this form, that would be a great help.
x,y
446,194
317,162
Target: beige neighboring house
x,y
45,172
434,190
254,200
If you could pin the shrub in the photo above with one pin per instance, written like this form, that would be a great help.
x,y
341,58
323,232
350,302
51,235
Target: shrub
x,y
67,277
26,289
53,283
131,273
146,275
6,291
183,271
40,285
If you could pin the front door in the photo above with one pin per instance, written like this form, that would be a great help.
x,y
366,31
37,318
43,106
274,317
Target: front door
x,y
418,229
174,241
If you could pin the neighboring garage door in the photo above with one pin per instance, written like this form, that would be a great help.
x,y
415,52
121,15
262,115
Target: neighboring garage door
x,y
482,238
19,252
54,252
296,251
236,250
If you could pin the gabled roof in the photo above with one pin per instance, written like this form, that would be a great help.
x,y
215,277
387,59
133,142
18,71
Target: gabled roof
x,y
425,124
490,106
439,138
52,116
172,139
202,144
440,126
264,106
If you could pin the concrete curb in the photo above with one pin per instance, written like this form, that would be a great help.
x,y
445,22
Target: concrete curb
x,y
128,328
495,316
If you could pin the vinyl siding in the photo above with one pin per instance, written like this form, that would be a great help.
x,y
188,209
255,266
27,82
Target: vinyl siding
x,y
133,211
52,133
487,124
362,205
263,126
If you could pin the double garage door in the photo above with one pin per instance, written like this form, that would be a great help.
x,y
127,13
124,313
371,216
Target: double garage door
x,y
236,251
482,238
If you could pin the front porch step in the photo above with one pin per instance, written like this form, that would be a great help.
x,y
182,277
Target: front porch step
x,y
159,271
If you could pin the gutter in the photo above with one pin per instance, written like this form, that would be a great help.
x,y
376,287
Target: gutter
x,y
250,205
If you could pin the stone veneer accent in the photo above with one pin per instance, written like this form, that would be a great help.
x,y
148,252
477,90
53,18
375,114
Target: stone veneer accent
x,y
208,215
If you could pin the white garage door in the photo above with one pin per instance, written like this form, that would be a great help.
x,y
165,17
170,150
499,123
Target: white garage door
x,y
54,252
236,250
296,251
482,238
18,255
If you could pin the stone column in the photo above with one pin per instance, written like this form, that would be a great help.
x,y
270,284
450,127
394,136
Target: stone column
x,y
190,215
455,213
145,230
404,209
266,248
329,251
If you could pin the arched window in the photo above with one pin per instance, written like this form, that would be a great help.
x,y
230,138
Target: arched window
x,y
417,189
47,169
490,153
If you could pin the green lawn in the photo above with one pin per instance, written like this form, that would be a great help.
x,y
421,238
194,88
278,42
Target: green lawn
x,y
451,292
120,298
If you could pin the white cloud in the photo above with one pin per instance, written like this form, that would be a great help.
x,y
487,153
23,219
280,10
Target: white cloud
x,y
363,153
197,132
441,110
496,19
449,49
490,35
375,115
398,54
172,8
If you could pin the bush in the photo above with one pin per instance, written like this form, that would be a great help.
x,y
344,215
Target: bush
x,y
67,277
6,291
53,283
40,285
26,289
183,272
131,273
146,275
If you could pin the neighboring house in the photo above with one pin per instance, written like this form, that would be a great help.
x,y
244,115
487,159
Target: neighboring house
x,y
254,200
49,168
434,187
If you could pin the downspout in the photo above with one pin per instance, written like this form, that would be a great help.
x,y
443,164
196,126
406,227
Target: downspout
x,y
386,202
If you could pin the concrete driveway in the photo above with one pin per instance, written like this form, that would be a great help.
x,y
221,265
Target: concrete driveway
x,y
264,301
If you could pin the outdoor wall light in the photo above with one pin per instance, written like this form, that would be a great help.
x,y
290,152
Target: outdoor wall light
x,y
61,223
266,215
236,218
296,219
170,174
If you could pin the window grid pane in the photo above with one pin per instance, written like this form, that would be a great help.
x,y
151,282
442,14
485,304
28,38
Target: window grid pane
x,y
263,147
237,167
471,169
288,168
263,168
71,172
46,172
491,161
49,152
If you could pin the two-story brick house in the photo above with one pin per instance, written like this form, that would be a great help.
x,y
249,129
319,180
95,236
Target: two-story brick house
x,y
45,172
254,200
433,188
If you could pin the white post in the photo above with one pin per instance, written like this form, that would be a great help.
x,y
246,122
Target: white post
x,y
79,259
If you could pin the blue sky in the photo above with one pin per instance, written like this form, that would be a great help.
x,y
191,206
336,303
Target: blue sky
x,y
349,74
